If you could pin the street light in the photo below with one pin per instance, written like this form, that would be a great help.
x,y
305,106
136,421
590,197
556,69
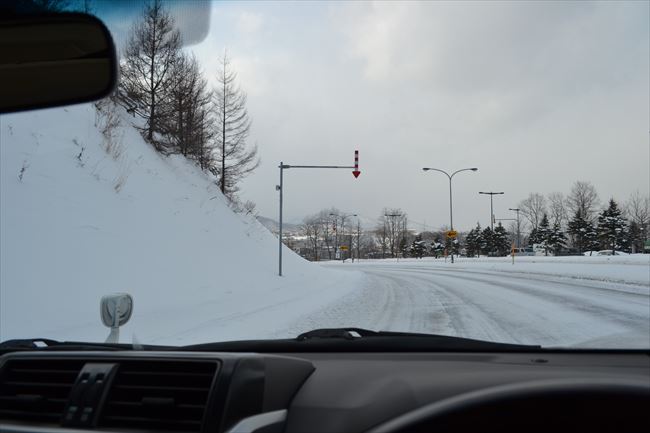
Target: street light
x,y
491,194
518,230
450,176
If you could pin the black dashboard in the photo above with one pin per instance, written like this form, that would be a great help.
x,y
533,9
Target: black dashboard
x,y
144,391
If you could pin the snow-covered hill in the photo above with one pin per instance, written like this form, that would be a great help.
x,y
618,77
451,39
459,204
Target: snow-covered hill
x,y
83,216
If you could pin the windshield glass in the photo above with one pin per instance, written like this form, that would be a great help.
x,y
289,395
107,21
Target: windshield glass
x,y
471,169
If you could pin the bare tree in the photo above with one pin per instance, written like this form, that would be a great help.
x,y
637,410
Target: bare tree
x,y
584,198
638,209
190,127
533,208
236,158
381,237
151,50
391,230
312,228
557,209
327,229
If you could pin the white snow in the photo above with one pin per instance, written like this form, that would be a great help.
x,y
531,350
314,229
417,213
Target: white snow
x,y
82,223
632,270
551,301
78,222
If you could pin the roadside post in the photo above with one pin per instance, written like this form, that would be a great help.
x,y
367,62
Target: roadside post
x,y
343,249
512,251
356,172
451,234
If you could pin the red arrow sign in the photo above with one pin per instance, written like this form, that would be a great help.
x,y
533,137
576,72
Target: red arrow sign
x,y
356,171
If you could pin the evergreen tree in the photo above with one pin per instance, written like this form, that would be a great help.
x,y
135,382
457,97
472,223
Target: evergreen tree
x,y
473,241
437,248
487,240
454,246
500,239
556,239
591,239
533,237
578,229
612,227
544,234
418,247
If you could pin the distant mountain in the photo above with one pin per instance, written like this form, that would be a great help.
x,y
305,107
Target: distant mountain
x,y
273,225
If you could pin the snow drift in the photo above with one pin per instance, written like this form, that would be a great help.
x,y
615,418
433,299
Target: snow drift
x,y
86,213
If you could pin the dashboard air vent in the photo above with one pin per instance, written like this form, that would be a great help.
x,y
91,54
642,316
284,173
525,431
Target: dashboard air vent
x,y
159,395
36,390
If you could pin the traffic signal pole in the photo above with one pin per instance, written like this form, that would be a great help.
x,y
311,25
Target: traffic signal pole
x,y
280,188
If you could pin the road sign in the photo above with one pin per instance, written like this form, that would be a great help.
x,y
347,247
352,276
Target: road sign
x,y
452,234
356,171
343,248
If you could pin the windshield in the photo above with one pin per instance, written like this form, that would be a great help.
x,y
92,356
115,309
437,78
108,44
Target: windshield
x,y
470,169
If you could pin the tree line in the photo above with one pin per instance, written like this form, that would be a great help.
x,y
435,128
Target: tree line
x,y
579,221
555,223
163,84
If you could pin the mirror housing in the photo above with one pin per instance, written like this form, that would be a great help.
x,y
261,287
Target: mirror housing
x,y
53,60
115,310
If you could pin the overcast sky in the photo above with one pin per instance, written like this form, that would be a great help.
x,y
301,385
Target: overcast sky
x,y
536,95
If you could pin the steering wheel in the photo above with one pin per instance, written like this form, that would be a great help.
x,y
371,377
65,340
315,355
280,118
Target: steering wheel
x,y
591,405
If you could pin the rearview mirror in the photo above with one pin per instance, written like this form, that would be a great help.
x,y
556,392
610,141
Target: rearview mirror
x,y
115,311
53,60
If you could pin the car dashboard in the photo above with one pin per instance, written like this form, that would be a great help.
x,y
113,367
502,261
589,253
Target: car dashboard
x,y
145,391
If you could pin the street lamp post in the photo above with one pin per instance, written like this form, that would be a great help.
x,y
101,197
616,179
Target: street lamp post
x,y
518,226
450,176
491,194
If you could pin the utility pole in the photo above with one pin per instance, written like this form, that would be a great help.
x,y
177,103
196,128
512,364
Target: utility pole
x,y
451,211
491,194
518,226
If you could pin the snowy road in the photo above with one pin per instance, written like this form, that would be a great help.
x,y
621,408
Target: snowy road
x,y
491,305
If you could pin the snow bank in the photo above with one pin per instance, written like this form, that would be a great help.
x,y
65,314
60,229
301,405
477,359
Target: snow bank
x,y
631,270
81,218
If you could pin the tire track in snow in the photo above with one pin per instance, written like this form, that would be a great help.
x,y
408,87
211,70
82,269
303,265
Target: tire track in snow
x,y
497,307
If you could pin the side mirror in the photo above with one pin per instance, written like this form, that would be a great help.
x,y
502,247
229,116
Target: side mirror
x,y
115,311
53,60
